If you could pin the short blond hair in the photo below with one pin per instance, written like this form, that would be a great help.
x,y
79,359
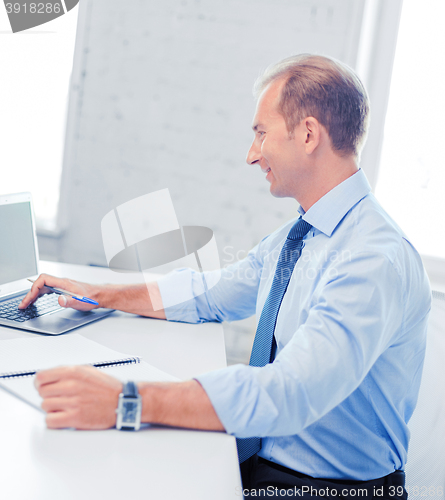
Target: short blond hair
x,y
326,89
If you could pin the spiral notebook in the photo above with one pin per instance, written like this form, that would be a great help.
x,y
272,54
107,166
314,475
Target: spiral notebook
x,y
20,359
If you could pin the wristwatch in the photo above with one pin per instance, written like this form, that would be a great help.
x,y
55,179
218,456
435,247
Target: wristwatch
x,y
129,408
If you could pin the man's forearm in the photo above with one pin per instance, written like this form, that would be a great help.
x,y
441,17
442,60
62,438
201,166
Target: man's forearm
x,y
183,404
143,299
84,397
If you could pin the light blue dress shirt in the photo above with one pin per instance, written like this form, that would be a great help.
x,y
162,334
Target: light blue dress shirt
x,y
351,334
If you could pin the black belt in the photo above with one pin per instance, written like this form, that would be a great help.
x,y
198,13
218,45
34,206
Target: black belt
x,y
393,483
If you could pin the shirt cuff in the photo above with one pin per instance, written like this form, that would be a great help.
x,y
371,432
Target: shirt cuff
x,y
242,407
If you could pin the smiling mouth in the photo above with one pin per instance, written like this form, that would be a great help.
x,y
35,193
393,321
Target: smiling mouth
x,y
266,171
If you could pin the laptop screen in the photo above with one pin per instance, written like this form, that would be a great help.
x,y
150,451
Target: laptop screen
x,y
17,252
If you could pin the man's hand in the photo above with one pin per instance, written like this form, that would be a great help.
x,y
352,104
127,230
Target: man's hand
x,y
38,289
136,299
82,397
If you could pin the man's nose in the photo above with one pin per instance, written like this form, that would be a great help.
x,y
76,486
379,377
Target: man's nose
x,y
253,155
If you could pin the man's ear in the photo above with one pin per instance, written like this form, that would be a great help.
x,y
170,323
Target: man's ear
x,y
312,131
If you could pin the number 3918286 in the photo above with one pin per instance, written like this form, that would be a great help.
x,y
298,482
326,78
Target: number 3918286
x,y
34,8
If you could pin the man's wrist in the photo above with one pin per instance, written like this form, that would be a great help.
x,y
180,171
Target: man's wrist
x,y
178,404
110,296
103,294
136,299
147,391
155,401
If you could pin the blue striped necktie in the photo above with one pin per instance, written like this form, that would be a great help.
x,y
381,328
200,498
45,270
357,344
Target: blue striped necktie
x,y
264,345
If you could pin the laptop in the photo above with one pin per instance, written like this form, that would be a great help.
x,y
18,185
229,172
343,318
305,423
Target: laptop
x,y
19,260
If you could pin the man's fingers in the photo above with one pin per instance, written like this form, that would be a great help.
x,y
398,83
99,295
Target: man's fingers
x,y
38,288
58,404
60,388
58,419
32,296
54,375
78,396
67,301
46,377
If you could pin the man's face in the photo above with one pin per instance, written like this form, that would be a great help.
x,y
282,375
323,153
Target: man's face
x,y
279,156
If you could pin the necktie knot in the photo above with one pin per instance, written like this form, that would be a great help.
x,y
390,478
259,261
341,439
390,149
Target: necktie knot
x,y
299,230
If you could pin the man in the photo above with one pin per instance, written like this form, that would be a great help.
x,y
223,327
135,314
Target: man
x,y
342,300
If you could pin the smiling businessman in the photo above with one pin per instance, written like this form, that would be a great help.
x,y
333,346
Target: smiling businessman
x,y
342,302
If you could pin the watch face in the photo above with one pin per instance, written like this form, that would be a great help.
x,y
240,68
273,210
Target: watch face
x,y
130,411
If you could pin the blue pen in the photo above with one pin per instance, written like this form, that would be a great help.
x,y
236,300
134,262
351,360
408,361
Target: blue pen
x,y
60,291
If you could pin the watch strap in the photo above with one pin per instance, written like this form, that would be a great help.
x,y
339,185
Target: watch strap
x,y
130,390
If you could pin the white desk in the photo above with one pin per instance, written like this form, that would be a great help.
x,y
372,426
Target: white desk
x,y
155,463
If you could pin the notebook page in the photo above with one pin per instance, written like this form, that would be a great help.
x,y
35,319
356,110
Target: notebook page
x,y
39,353
23,387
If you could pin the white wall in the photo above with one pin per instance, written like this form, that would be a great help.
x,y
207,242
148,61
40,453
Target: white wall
x,y
162,97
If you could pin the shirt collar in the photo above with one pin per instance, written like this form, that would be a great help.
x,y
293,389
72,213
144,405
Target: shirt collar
x,y
330,209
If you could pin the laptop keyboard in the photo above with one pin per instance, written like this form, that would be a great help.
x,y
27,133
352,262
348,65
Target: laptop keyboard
x,y
43,305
